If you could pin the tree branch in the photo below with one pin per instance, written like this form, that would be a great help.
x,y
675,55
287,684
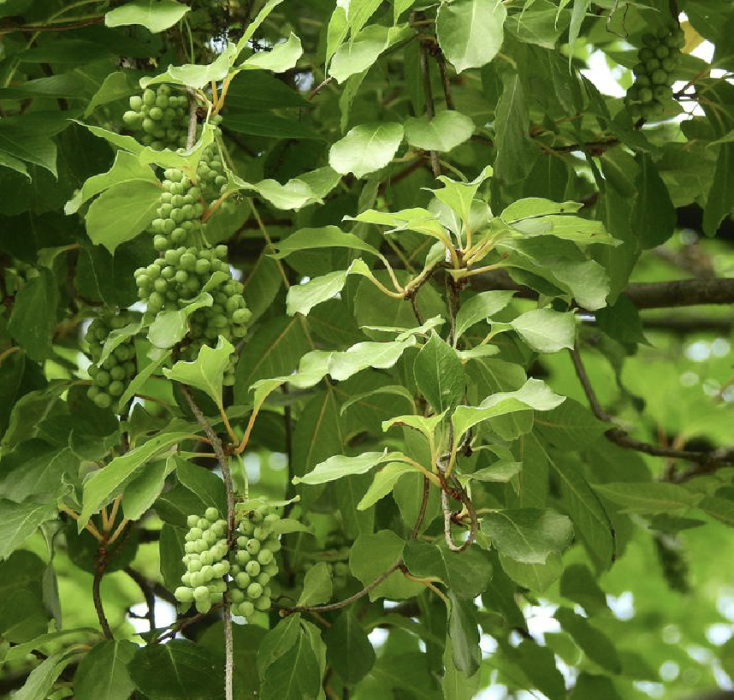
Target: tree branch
x,y
707,461
435,165
644,295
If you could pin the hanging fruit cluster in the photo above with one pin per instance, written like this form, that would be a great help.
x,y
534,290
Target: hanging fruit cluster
x,y
110,376
657,59
162,117
247,570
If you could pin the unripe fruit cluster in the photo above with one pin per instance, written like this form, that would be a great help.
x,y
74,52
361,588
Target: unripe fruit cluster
x,y
163,117
336,558
248,571
204,582
111,377
657,59
211,176
177,217
254,565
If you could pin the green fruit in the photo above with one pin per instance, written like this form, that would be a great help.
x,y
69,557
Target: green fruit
x,y
201,593
662,51
254,591
252,568
253,546
183,595
645,95
659,77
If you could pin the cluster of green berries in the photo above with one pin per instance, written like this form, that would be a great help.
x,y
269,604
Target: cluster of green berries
x,y
211,176
657,59
177,217
163,117
336,556
204,582
180,275
248,570
111,377
254,566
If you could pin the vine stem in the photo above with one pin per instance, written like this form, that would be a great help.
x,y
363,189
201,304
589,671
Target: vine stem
x,y
227,476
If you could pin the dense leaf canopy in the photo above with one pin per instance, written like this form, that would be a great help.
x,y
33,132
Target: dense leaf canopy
x,y
370,349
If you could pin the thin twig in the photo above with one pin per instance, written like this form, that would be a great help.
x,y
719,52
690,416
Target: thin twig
x,y
227,475
193,122
422,511
147,594
319,88
445,79
347,601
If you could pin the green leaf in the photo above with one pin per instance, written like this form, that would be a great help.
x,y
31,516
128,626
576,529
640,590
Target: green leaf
x,y
466,574
170,327
315,238
383,483
103,483
208,487
42,678
464,635
122,212
516,153
536,577
545,330
348,650
720,508
597,687
154,15
455,684
34,146
371,556
36,301
269,125
278,642
103,673
126,168
366,148
296,676
470,32
594,643
720,201
282,57
316,585
533,394
18,521
303,297
177,670
579,585
459,196
206,373
480,307
590,520
196,76
343,365
140,378
439,374
339,465
141,492
653,214
528,535
570,427
364,49
539,665
444,132
649,497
